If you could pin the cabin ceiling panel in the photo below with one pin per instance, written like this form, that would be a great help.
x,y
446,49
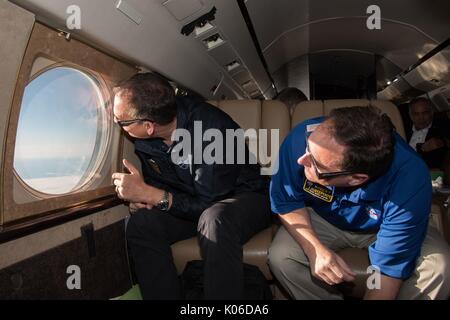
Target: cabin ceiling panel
x,y
183,9
234,28
347,34
272,18
287,29
156,43
242,77
223,54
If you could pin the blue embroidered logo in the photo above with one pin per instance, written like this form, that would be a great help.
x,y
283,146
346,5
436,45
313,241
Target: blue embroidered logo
x,y
373,213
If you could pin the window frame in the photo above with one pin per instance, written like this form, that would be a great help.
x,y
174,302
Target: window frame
x,y
48,43
100,158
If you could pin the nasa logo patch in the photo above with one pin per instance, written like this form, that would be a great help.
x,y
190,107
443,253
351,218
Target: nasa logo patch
x,y
373,214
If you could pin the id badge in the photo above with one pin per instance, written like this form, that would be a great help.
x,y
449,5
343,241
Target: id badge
x,y
319,191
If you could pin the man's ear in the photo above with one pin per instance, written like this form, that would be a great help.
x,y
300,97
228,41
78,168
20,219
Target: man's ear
x,y
358,179
149,128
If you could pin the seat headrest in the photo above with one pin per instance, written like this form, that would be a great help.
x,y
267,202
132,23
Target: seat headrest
x,y
311,109
246,113
306,110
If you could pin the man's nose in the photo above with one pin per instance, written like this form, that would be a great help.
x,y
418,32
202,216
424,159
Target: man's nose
x,y
304,160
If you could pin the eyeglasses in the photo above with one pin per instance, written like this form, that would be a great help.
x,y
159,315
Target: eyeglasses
x,y
126,123
324,175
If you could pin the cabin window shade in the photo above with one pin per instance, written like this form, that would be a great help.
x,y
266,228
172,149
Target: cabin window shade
x,y
63,99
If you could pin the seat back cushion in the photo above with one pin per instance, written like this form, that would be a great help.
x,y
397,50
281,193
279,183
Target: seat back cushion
x,y
276,120
385,106
306,110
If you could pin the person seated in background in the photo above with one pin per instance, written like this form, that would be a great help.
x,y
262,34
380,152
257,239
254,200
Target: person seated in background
x,y
291,97
429,136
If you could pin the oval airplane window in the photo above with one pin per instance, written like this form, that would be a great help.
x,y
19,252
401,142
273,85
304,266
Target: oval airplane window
x,y
59,131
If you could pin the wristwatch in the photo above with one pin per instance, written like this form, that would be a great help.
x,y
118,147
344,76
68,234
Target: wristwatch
x,y
163,205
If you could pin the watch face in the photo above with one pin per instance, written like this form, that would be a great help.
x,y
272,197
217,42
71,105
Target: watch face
x,y
163,205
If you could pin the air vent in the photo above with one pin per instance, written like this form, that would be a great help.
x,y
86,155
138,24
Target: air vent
x,y
255,93
247,84
242,75
203,28
200,25
233,65
213,41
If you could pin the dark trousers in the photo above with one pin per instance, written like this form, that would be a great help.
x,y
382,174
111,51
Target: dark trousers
x,y
222,230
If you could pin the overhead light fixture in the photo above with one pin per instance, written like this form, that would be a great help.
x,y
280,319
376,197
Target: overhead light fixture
x,y
389,83
203,28
247,84
213,41
232,65
200,22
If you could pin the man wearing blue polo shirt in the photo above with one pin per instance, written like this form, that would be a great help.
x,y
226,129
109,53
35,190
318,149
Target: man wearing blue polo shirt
x,y
350,181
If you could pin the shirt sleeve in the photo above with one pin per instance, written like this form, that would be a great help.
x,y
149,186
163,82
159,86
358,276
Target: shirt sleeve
x,y
211,183
286,188
404,225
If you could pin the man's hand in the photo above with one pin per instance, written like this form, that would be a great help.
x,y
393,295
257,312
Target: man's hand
x,y
134,207
327,266
131,187
432,144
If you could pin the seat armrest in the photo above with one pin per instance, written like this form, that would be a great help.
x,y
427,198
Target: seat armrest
x,y
255,252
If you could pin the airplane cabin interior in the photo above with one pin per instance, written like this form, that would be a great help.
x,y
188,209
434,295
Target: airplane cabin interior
x,y
60,61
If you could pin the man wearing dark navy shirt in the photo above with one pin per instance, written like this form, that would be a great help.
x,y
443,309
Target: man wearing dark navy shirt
x,y
350,181
178,196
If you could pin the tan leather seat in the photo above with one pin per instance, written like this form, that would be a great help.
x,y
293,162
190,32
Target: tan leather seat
x,y
307,110
329,105
392,111
246,113
249,115
255,252
311,109
274,115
